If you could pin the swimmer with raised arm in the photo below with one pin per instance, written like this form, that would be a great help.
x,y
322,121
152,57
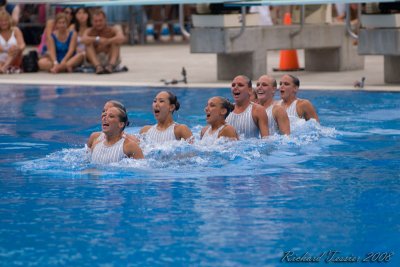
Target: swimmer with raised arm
x,y
278,120
295,107
248,118
114,147
217,109
98,136
166,129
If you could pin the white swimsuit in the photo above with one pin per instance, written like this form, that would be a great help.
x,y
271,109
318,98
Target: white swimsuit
x,y
156,136
211,137
103,154
272,125
244,123
291,110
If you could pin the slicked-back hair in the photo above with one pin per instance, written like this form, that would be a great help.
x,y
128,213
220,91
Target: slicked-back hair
x,y
173,100
123,116
296,80
121,107
248,80
226,104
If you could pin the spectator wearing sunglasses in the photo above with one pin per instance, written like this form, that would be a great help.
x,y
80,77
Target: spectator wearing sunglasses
x,y
278,120
248,118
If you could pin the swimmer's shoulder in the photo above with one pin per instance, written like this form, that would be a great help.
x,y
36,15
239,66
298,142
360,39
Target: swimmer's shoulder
x,y
132,149
92,138
145,129
228,131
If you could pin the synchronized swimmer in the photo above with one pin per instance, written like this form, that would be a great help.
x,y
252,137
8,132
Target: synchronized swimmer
x,y
245,119
166,129
112,145
217,109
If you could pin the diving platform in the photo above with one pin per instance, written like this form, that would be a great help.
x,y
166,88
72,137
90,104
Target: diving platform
x,y
380,35
327,47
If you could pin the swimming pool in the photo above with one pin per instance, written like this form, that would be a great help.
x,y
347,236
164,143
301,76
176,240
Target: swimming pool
x,y
329,187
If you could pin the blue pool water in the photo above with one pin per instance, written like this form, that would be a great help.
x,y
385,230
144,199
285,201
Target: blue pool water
x,y
329,187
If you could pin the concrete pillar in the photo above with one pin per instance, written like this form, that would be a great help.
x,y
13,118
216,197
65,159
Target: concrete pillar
x,y
391,69
342,58
251,64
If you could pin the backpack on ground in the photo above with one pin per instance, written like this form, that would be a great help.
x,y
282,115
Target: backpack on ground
x,y
30,62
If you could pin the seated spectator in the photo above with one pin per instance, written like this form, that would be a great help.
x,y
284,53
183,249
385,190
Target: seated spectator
x,y
13,10
49,28
61,46
12,43
82,23
103,44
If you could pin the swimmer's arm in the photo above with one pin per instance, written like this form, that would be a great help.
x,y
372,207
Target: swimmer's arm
x,y
132,150
261,119
308,110
229,132
145,129
92,138
282,119
182,131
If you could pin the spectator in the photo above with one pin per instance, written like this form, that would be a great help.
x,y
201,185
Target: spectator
x,y
12,43
61,44
50,25
13,10
82,23
103,44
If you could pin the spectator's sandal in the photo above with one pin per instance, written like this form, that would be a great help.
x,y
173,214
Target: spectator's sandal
x,y
108,69
100,69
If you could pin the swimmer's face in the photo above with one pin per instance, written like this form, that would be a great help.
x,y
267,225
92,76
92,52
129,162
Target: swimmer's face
x,y
107,105
240,89
265,88
287,87
214,110
161,106
110,120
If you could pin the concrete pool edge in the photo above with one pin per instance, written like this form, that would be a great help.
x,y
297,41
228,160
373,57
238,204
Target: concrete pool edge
x,y
11,82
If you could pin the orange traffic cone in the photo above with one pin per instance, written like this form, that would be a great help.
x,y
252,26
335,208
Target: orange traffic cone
x,y
288,60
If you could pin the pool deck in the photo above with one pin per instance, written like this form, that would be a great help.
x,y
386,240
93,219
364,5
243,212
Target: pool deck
x,y
150,63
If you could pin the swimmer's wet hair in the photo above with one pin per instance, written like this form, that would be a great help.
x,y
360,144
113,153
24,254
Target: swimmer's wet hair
x,y
123,117
122,109
117,104
226,104
173,100
296,80
248,80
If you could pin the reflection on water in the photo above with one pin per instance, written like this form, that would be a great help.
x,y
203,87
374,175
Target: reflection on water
x,y
332,186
